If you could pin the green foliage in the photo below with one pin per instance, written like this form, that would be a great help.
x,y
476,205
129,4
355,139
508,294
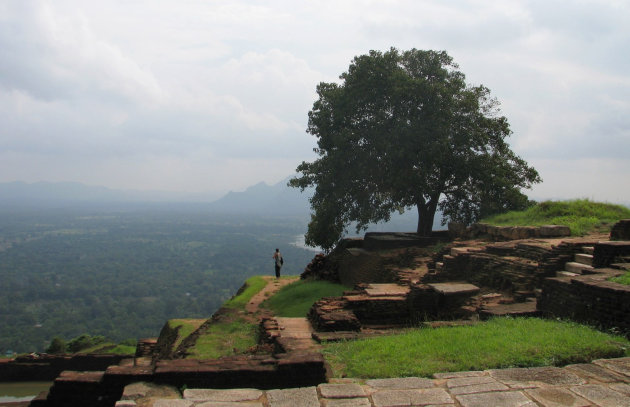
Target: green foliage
x,y
121,349
124,271
581,216
57,346
84,341
129,342
295,300
253,286
225,338
622,279
184,328
498,343
404,130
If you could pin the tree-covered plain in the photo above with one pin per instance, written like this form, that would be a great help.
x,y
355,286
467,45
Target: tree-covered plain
x,y
123,273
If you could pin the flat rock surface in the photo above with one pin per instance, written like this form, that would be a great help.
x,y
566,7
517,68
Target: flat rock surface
x,y
603,383
383,290
536,376
454,288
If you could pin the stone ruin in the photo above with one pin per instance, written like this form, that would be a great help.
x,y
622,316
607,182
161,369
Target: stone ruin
x,y
498,273
397,283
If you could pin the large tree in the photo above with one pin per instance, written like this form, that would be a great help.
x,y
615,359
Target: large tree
x,y
402,130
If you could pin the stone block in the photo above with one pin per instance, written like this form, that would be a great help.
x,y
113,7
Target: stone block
x,y
233,395
554,231
557,397
503,399
305,396
602,395
341,390
536,376
417,397
401,383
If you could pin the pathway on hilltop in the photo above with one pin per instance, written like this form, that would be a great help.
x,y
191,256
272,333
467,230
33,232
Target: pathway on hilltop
x,y
292,334
272,287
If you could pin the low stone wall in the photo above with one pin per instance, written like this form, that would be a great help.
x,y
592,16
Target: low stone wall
x,y
48,367
588,299
621,230
508,232
606,253
388,240
361,266
102,389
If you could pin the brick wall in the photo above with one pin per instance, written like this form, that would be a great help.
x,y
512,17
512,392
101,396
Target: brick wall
x,y
586,299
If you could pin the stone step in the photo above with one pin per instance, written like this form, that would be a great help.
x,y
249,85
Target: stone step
x,y
621,266
584,258
578,268
566,274
588,249
523,309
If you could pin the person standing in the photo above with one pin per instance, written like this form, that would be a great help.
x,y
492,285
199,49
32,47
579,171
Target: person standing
x,y
279,262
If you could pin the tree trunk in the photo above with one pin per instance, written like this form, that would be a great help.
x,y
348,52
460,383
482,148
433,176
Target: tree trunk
x,y
426,214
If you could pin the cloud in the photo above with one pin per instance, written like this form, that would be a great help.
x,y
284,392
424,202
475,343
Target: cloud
x,y
169,94
54,56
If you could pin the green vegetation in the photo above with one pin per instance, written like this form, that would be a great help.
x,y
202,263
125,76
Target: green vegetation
x,y
622,279
582,216
123,272
184,328
294,300
403,129
498,343
224,338
253,286
122,350
85,344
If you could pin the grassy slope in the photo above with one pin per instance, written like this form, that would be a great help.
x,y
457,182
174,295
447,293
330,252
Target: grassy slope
x,y
294,300
582,216
499,343
230,333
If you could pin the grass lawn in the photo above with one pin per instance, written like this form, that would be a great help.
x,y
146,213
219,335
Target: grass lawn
x,y
294,300
498,343
224,338
581,216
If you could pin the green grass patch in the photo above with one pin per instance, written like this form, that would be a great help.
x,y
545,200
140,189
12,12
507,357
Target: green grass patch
x,y
498,343
224,339
622,279
185,328
122,350
294,300
582,216
253,286
109,348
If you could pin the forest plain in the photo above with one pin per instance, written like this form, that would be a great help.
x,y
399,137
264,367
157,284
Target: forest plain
x,y
123,270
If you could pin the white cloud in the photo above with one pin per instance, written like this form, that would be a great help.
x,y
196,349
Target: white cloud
x,y
167,95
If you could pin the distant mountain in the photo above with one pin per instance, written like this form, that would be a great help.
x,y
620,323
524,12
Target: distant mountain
x,y
278,199
260,199
47,194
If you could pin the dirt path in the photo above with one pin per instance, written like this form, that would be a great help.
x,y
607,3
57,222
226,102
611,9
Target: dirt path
x,y
273,285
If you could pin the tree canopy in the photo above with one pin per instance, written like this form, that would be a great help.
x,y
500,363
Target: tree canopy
x,y
403,130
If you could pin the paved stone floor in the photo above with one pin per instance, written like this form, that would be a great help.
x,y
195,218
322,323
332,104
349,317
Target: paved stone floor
x,y
603,383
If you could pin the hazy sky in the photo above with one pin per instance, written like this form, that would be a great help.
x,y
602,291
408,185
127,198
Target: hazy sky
x,y
213,95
